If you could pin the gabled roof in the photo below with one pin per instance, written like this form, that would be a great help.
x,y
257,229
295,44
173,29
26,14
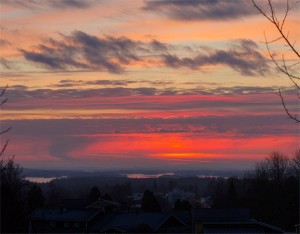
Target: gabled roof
x,y
210,214
104,203
232,229
268,227
130,221
81,215
168,217
183,216
125,222
251,226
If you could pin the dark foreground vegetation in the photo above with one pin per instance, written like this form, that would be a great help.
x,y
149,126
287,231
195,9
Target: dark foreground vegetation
x,y
270,192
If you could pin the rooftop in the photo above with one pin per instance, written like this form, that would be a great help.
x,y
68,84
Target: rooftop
x,y
64,214
208,214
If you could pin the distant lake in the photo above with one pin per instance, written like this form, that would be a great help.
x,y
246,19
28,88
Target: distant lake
x,y
209,176
146,176
43,179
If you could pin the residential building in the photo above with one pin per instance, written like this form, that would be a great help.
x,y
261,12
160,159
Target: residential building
x,y
205,220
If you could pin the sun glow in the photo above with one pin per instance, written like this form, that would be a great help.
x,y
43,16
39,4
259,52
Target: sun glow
x,y
183,155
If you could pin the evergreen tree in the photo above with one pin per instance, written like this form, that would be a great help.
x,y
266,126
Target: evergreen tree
x,y
94,194
149,202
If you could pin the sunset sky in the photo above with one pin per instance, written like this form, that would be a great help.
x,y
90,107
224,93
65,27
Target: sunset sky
x,y
107,84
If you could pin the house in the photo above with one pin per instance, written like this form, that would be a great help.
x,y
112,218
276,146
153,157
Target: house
x,y
100,204
205,220
143,222
62,220
297,228
74,215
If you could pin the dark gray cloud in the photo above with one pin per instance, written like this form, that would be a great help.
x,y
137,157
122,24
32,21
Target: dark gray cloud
x,y
201,9
22,93
52,61
111,82
72,83
159,46
215,10
243,57
86,52
56,4
71,3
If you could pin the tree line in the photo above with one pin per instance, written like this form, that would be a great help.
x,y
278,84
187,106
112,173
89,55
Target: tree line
x,y
270,192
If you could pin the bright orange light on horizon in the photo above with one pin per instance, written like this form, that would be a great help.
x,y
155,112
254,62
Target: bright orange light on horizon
x,y
183,155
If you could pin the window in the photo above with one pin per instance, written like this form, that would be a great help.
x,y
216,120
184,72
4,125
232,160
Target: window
x,y
67,224
52,224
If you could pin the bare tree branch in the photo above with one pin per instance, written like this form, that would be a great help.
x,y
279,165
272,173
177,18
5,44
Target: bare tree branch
x,y
2,149
6,130
273,19
281,64
3,91
295,116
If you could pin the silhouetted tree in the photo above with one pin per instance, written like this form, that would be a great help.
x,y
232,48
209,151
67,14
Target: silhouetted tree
x,y
107,197
149,202
232,194
36,198
295,164
94,194
182,205
13,218
273,195
275,168
53,195
218,194
120,192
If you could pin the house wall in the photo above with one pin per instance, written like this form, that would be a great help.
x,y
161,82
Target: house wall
x,y
45,227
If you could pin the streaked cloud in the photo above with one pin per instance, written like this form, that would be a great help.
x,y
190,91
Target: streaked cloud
x,y
58,4
201,9
83,51
156,88
243,57
215,10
